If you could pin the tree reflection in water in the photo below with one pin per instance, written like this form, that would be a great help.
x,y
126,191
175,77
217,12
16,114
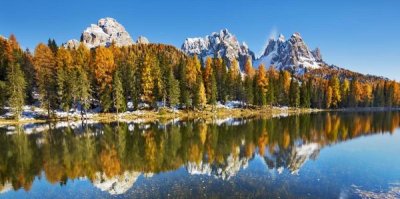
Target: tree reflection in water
x,y
107,154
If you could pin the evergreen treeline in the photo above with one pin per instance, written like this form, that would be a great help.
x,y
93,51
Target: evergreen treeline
x,y
62,78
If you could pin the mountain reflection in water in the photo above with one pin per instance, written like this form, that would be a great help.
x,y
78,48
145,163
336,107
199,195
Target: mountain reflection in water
x,y
113,156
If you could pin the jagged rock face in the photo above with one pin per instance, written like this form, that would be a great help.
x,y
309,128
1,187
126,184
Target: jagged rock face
x,y
317,55
221,44
142,40
289,54
106,31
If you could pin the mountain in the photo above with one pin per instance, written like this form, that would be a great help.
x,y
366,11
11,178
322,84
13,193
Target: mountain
x,y
106,31
221,44
142,40
283,54
290,54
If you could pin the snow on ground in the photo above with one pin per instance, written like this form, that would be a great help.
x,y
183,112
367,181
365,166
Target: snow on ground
x,y
32,112
230,104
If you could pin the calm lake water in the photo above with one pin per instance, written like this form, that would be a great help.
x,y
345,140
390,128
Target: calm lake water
x,y
321,155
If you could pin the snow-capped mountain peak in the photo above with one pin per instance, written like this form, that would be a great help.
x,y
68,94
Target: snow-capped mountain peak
x,y
290,54
221,44
281,38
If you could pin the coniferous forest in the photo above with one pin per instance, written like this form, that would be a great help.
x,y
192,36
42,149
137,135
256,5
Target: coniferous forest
x,y
160,75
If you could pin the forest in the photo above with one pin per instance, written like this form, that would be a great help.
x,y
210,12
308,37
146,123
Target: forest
x,y
158,75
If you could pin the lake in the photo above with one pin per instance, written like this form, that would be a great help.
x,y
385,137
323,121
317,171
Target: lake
x,y
319,155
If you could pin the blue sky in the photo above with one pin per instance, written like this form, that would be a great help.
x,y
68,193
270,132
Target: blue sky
x,y
360,35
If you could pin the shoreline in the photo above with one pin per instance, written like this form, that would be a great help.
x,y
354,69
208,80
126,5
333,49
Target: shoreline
x,y
167,114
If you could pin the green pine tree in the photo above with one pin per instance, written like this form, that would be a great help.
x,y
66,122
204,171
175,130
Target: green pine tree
x,y
64,91
270,95
173,90
118,94
294,93
3,92
305,95
53,46
199,98
16,85
83,89
213,91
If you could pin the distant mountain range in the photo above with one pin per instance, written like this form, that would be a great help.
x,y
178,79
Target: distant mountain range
x,y
288,54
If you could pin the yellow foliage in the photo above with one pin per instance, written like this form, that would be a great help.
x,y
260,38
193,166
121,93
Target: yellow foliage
x,y
103,67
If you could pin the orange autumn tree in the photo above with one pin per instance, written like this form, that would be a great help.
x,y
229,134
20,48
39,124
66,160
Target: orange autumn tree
x,y
104,67
234,81
192,71
248,67
334,83
207,77
193,79
396,94
45,69
355,93
147,79
261,85
284,86
248,81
